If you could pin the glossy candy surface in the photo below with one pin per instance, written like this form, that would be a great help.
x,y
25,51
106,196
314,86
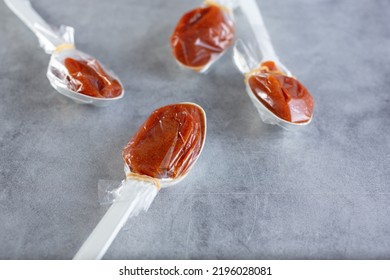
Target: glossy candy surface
x,y
201,35
88,77
285,96
168,143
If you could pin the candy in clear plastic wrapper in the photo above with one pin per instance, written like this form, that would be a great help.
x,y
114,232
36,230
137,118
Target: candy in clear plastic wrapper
x,y
284,96
160,154
71,72
278,96
202,35
181,126
88,77
82,74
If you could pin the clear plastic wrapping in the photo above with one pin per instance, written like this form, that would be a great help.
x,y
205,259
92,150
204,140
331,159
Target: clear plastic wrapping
x,y
284,96
139,193
180,129
278,96
202,35
71,72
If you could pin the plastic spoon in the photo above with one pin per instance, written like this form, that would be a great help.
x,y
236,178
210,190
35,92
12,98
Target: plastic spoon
x,y
246,61
60,44
135,195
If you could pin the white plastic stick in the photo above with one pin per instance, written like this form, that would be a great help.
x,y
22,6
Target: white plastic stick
x,y
253,14
134,197
48,38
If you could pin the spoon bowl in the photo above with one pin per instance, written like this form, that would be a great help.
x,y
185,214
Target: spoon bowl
x,y
57,75
202,36
269,117
202,69
245,60
168,182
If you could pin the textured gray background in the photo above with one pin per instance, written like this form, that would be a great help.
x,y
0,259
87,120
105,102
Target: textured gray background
x,y
256,192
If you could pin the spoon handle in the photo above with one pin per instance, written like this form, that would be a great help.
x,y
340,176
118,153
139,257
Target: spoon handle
x,y
134,197
48,37
253,14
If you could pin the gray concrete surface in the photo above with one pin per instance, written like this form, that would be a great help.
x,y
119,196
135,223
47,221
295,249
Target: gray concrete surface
x,y
257,192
